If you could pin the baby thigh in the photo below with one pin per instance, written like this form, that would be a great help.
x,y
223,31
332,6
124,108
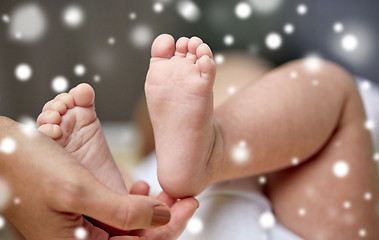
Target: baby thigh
x,y
335,193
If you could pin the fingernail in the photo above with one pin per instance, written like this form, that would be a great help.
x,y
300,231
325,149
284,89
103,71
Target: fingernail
x,y
161,216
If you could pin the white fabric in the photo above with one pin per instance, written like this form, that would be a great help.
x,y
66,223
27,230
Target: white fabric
x,y
232,210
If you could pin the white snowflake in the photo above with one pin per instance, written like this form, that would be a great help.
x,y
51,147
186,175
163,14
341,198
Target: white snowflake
x,y
228,40
243,10
293,74
289,28
302,9
73,16
28,24
240,153
295,161
188,10
219,58
231,90
349,42
262,180
7,145
338,27
347,205
23,72
5,18
195,226
141,35
158,7
132,16
81,233
362,232
267,220
2,222
111,40
376,157
365,85
273,41
369,124
367,196
340,169
59,84
79,69
302,212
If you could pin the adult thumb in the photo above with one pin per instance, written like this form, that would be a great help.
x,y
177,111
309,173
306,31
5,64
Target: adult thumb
x,y
125,212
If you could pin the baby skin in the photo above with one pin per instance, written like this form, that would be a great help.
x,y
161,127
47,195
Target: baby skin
x,y
70,119
306,132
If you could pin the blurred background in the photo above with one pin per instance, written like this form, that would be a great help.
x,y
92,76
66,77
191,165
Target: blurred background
x,y
48,47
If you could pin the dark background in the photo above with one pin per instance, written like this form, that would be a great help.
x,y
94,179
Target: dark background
x,y
123,66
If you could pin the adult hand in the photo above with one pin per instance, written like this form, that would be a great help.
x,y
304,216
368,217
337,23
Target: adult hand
x,y
181,212
55,191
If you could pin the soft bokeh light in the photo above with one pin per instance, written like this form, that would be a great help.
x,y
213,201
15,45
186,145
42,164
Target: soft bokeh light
x,y
266,6
302,9
158,7
81,233
219,58
80,69
23,72
267,220
349,42
195,225
302,212
243,10
59,84
370,124
111,41
5,18
2,222
362,232
28,23
295,161
273,41
347,205
232,90
313,63
338,27
367,196
141,36
188,10
73,16
17,201
341,169
228,40
240,152
289,28
7,145
262,180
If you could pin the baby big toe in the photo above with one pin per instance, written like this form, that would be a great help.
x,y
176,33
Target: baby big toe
x,y
163,47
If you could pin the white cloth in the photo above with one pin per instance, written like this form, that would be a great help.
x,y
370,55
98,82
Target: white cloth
x,y
233,209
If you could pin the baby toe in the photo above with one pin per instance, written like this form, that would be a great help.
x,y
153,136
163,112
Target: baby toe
x,y
67,99
193,44
83,95
207,68
51,130
49,116
163,47
182,47
203,50
55,105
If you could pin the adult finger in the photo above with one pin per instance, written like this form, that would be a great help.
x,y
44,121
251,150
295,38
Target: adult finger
x,y
140,188
126,212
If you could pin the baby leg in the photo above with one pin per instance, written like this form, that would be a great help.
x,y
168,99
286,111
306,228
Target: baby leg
x,y
308,125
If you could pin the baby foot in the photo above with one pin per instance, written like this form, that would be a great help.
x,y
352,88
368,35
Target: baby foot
x,y
180,100
70,119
